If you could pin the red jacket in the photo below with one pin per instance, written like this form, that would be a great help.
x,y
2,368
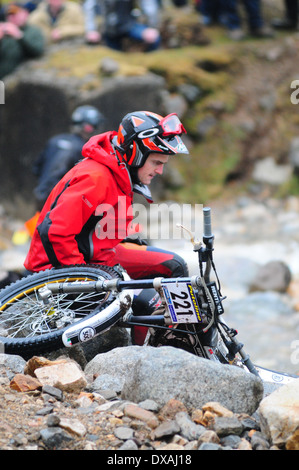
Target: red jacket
x,y
87,213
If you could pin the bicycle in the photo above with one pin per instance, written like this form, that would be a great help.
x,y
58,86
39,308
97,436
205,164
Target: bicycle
x,y
65,306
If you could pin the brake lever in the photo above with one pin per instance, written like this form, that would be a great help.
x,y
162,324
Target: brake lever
x,y
196,243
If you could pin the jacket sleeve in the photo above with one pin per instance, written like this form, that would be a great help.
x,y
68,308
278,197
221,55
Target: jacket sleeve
x,y
72,22
70,212
33,41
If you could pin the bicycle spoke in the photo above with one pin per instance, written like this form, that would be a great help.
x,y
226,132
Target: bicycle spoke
x,y
29,316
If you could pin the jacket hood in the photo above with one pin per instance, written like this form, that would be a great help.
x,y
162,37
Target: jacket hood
x,y
100,149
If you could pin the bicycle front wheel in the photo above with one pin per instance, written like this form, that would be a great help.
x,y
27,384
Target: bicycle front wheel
x,y
29,326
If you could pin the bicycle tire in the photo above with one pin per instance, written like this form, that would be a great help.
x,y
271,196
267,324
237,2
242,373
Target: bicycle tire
x,y
23,294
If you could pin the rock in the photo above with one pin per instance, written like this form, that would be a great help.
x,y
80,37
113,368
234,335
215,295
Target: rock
x,y
11,364
244,445
149,405
106,382
134,411
109,66
24,383
39,361
208,436
207,381
217,409
124,433
273,276
210,446
293,442
171,408
231,440
167,428
188,428
53,421
66,376
258,441
268,171
53,392
279,415
53,437
128,445
123,360
223,426
74,426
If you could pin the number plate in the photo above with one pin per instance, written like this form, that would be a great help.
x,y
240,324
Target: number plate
x,y
181,301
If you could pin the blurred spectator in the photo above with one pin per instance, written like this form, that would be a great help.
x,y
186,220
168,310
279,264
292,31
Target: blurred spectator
x,y
256,22
59,19
63,151
178,3
2,16
120,20
18,40
212,11
290,20
92,12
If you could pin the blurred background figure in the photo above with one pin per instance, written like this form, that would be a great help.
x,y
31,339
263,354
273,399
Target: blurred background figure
x,y
256,23
59,19
290,20
18,39
121,20
63,151
212,11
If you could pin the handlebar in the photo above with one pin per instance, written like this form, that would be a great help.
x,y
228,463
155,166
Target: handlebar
x,y
207,224
208,236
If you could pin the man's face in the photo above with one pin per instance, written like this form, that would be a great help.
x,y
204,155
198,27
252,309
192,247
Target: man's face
x,y
153,166
55,5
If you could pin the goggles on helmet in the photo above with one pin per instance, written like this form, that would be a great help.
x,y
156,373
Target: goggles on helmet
x,y
143,132
171,125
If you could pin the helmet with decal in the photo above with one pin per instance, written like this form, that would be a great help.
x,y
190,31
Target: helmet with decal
x,y
143,132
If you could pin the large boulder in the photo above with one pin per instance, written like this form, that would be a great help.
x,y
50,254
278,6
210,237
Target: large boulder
x,y
279,413
164,373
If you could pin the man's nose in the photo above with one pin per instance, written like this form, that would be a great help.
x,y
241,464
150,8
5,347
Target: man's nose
x,y
159,169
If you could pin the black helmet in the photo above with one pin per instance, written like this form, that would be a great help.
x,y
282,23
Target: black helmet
x,y
87,115
143,132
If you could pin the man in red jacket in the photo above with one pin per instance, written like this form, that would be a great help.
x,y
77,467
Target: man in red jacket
x,y
89,213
